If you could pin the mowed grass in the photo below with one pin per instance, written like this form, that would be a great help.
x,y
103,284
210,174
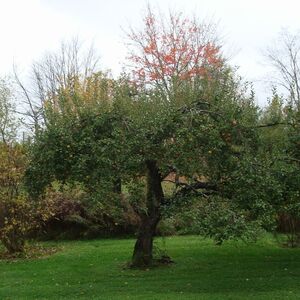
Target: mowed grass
x,y
94,270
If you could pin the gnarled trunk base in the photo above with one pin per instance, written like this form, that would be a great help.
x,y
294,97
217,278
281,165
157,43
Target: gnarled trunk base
x,y
143,249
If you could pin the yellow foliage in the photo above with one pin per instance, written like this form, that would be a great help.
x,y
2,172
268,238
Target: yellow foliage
x,y
18,214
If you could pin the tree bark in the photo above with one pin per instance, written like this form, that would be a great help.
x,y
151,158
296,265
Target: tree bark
x,y
117,186
143,249
13,243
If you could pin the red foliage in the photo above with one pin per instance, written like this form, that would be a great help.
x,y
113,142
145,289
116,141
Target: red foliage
x,y
176,48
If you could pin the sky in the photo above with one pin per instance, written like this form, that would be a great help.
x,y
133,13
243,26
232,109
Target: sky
x,y
30,28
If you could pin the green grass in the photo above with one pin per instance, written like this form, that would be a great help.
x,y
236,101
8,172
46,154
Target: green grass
x,y
93,270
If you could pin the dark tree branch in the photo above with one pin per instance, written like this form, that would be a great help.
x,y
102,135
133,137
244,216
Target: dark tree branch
x,y
194,187
273,124
290,159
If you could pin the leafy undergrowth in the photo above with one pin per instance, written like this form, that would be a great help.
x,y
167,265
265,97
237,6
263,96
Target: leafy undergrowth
x,y
94,270
32,251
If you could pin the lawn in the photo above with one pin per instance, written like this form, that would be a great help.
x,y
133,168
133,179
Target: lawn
x,y
94,270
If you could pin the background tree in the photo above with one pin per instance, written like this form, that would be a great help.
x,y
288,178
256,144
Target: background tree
x,y
8,120
56,71
284,57
282,137
279,134
171,49
15,210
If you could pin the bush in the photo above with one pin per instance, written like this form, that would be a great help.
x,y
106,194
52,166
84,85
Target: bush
x,y
17,215
16,220
75,213
66,215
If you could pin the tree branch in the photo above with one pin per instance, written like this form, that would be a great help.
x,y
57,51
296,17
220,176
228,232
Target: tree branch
x,y
194,187
273,124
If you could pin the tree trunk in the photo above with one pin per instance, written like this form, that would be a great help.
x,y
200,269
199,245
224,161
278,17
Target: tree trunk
x,y
13,243
117,186
143,249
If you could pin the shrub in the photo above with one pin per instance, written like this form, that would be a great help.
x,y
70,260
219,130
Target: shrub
x,y
69,212
16,211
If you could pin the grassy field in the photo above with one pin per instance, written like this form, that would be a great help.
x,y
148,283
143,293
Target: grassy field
x,y
94,270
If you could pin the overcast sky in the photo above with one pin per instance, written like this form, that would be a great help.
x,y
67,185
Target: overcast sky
x,y
30,27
